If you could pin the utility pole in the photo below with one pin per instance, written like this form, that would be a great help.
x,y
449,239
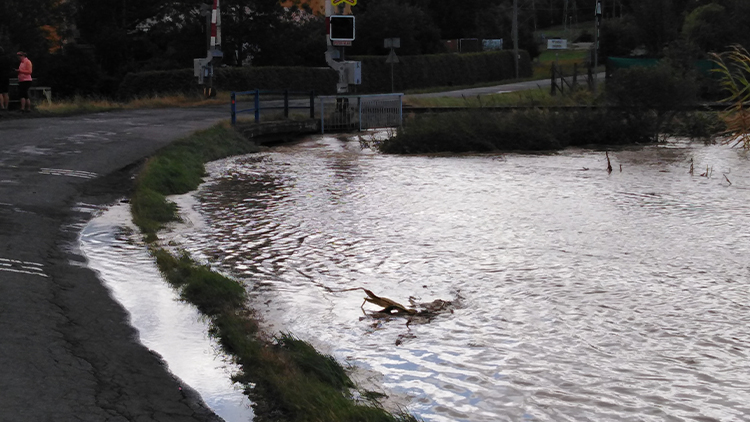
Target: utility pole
x,y
515,34
597,21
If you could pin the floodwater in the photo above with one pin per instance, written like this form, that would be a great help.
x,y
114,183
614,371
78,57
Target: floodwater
x,y
171,328
577,295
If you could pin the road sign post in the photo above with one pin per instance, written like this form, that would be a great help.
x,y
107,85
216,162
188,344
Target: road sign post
x,y
392,59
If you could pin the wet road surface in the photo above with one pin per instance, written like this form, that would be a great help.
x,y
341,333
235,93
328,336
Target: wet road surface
x,y
67,350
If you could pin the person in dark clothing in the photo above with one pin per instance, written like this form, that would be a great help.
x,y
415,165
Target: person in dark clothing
x,y
5,68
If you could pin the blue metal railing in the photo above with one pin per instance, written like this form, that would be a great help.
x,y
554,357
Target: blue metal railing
x,y
257,103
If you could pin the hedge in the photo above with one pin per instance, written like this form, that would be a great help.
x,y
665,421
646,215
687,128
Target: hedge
x,y
412,72
415,72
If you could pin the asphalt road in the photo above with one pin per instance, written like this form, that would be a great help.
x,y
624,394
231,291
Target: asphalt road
x,y
67,351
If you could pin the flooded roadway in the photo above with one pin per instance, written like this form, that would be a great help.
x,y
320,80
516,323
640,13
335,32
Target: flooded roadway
x,y
581,295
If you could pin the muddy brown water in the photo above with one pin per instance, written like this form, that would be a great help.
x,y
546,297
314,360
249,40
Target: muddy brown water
x,y
581,295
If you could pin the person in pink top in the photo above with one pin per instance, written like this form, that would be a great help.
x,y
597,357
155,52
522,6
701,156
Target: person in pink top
x,y
24,81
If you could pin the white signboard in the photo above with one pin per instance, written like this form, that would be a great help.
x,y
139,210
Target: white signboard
x,y
557,44
492,45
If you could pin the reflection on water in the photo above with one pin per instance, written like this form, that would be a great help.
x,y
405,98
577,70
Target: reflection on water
x,y
171,328
585,296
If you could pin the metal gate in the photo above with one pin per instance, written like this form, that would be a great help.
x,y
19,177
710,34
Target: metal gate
x,y
347,113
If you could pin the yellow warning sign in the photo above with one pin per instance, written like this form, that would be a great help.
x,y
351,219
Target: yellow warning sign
x,y
338,2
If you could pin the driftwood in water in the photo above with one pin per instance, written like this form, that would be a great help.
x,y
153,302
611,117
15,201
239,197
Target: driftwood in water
x,y
389,306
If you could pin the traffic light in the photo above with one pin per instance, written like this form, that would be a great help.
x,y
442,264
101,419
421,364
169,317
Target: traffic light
x,y
341,28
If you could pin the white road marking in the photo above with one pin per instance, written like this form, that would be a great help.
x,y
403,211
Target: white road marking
x,y
22,267
70,173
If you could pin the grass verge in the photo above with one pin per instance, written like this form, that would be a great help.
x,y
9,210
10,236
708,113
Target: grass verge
x,y
81,105
285,377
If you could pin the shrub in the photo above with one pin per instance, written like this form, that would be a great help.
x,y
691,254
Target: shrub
x,y
652,95
75,73
530,130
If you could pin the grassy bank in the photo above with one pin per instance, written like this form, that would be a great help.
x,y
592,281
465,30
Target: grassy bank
x,y
286,378
480,130
177,169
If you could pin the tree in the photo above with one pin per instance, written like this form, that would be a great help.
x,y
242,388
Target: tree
x,y
496,22
35,26
657,22
394,19
619,37
706,26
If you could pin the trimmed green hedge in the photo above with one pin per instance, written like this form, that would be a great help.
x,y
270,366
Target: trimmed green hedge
x,y
412,72
415,72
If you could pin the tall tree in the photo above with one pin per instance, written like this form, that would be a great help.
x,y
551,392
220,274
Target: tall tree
x,y
35,26
394,19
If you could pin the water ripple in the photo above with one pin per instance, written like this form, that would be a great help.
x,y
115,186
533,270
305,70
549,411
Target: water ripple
x,y
585,296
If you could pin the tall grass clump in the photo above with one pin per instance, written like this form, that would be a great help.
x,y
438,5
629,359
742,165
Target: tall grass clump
x,y
734,69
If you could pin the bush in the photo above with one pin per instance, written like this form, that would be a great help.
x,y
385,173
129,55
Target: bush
x,y
73,72
531,130
652,95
